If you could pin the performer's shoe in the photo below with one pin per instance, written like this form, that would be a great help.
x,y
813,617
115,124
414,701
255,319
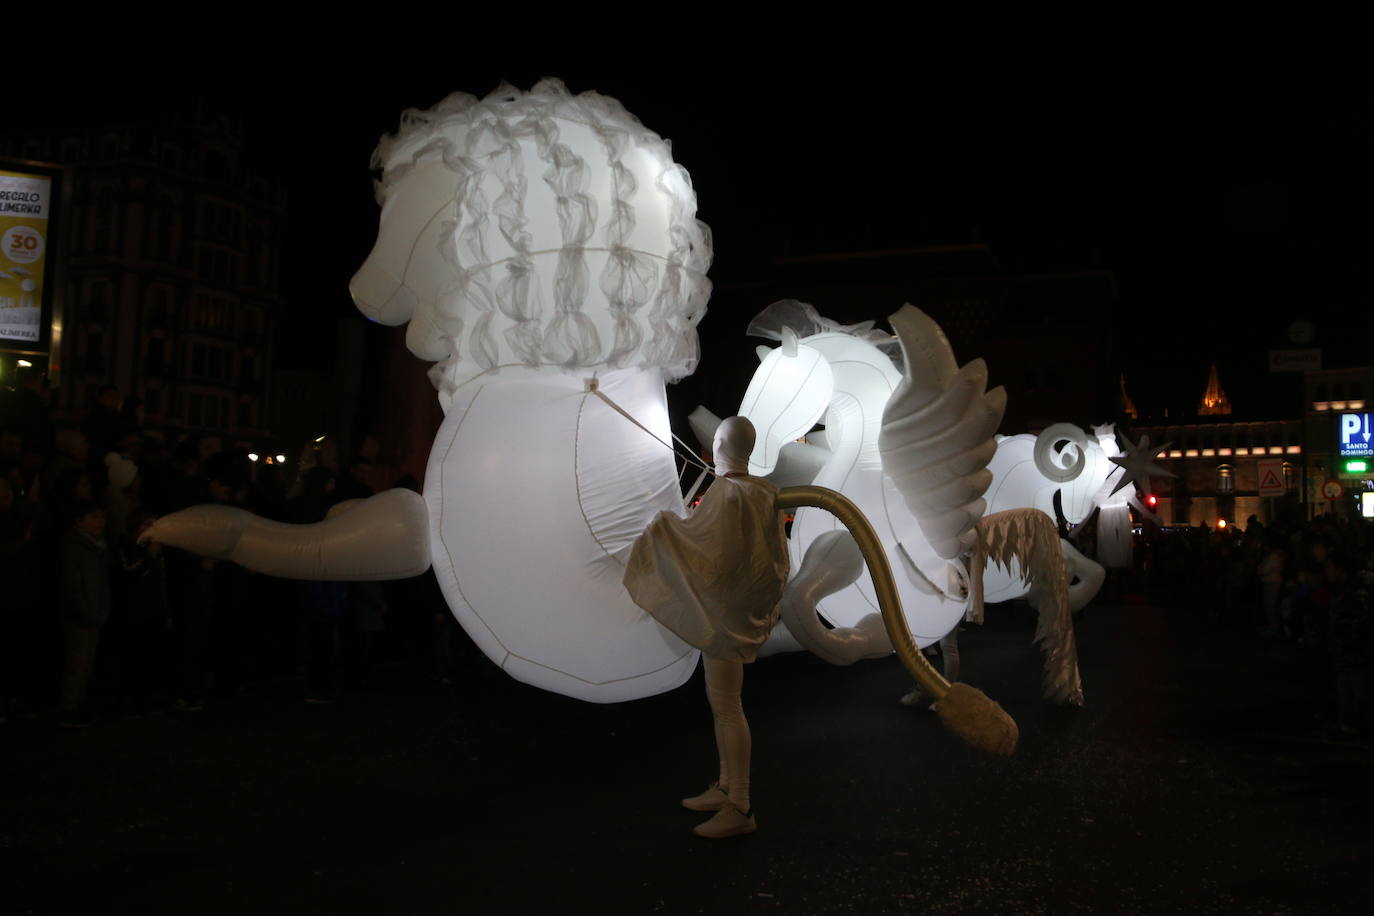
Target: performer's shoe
x,y
713,799
728,821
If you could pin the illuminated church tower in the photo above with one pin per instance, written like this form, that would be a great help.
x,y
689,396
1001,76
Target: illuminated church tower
x,y
1214,400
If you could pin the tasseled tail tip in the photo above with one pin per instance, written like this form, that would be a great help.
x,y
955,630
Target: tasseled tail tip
x,y
978,719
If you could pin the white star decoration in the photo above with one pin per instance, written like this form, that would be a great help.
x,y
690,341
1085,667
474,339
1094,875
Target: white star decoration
x,y
1137,460
1144,510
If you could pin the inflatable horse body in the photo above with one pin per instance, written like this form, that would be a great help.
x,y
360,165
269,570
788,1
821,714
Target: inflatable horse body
x,y
544,252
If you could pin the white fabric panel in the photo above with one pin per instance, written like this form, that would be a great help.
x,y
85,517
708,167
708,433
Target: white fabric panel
x,y
1114,544
1016,481
535,487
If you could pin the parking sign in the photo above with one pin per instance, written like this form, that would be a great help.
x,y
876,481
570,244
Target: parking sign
x,y
1355,435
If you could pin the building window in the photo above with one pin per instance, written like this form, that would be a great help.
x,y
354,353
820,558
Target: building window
x,y
214,165
159,308
211,362
98,301
154,363
1290,477
219,222
216,265
1226,479
161,238
212,313
206,410
95,351
105,222
257,271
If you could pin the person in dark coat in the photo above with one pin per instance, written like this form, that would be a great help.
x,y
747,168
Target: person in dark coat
x,y
141,619
85,602
325,604
1352,642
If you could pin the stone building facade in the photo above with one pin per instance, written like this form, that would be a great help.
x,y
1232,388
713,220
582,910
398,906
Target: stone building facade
x,y
172,270
1219,460
1218,468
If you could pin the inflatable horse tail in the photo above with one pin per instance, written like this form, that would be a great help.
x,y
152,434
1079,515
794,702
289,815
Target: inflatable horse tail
x,y
1029,536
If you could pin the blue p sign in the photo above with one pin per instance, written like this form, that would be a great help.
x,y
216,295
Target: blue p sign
x,y
1355,434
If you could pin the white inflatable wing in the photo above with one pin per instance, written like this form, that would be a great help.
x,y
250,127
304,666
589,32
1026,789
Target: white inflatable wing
x,y
937,435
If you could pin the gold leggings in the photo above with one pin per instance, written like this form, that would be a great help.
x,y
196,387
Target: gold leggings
x,y
724,681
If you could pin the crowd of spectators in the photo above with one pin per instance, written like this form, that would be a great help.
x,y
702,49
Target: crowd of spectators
x,y
1304,586
94,624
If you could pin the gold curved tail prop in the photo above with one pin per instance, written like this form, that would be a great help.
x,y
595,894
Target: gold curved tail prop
x,y
964,710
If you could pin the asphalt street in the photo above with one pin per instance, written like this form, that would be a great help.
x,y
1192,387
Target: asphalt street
x,y
1196,780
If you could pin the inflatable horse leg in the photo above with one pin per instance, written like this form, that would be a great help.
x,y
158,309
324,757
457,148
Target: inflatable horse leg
x,y
383,537
1085,576
832,562
964,710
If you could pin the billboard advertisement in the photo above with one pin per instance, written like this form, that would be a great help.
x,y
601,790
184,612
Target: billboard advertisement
x,y
30,224
25,209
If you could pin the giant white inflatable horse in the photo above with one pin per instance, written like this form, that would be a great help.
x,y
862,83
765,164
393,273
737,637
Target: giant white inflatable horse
x,y
937,448
868,450
845,377
542,248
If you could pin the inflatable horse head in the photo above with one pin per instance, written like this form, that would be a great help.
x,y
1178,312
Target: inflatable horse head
x,y
537,230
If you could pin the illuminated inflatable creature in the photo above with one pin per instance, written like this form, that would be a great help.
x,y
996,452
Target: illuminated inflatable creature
x,y
544,251
912,448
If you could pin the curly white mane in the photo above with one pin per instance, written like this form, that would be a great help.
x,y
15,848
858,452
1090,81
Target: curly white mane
x,y
567,233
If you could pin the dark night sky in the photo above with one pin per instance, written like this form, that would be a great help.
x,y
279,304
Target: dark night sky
x,y
1228,190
